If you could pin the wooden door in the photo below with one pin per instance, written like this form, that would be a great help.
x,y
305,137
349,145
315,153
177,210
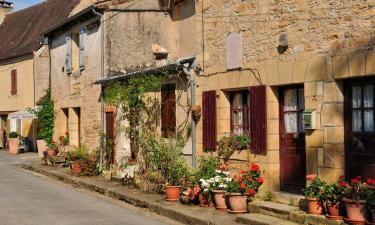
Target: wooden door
x,y
109,131
168,110
292,140
359,128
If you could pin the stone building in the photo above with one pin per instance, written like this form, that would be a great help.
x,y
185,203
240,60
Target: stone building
x,y
24,59
305,57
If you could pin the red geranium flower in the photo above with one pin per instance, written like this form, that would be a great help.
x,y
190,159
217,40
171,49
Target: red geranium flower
x,y
370,182
250,179
243,171
242,186
311,176
251,192
343,184
240,178
260,180
341,177
254,167
354,181
358,177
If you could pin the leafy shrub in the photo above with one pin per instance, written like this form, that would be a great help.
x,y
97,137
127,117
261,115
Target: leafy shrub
x,y
315,187
228,144
207,167
13,135
87,160
333,193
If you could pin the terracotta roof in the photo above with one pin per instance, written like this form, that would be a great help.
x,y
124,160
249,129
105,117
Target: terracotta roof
x,y
20,32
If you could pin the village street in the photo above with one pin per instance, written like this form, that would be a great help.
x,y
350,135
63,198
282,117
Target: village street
x,y
26,199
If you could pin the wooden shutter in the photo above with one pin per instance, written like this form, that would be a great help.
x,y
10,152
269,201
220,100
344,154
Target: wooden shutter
x,y
209,120
68,56
168,110
82,38
258,120
13,89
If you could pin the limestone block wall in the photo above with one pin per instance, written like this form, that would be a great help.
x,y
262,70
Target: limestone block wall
x,y
328,42
76,91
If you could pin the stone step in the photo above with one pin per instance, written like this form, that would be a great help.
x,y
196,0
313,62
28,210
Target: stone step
x,y
261,219
274,209
286,198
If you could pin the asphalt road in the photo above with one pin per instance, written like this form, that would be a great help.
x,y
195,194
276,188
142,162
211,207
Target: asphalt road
x,y
26,199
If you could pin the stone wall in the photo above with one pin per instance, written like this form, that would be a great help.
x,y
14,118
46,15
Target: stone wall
x,y
75,93
327,41
41,67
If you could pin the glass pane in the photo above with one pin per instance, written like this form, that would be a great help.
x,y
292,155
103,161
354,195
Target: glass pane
x,y
356,96
369,120
301,125
237,101
237,122
301,99
368,96
357,121
290,100
290,122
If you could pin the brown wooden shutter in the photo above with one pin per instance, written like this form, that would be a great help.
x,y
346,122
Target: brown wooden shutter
x,y
209,120
13,89
258,120
168,110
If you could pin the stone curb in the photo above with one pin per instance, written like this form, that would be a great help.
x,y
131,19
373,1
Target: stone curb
x,y
167,211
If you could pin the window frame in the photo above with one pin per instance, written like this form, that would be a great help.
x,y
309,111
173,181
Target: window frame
x,y
362,108
300,109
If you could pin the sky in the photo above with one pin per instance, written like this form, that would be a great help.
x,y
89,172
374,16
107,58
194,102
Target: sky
x,y
21,4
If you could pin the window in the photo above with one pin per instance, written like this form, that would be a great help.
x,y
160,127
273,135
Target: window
x,y
363,108
294,102
168,110
75,50
240,112
13,86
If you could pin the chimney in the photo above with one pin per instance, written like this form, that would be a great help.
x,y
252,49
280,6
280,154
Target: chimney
x,y
5,9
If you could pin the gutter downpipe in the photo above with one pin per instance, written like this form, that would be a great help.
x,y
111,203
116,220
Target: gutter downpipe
x,y
101,77
189,70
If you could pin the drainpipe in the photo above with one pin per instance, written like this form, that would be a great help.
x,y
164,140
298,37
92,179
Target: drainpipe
x,y
101,76
188,70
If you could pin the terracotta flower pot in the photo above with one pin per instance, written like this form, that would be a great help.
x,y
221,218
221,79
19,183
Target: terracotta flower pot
x,y
13,145
172,193
205,200
333,209
42,147
75,168
237,203
52,152
219,200
314,206
356,210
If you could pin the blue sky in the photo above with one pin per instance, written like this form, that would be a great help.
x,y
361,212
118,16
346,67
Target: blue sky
x,y
21,4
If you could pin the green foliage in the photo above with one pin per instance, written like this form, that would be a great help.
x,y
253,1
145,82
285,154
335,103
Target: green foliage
x,y
315,187
107,150
13,134
356,189
240,142
207,167
46,117
268,196
332,193
292,202
87,160
228,144
371,200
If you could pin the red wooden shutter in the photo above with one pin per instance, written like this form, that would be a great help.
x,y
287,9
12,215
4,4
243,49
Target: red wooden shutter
x,y
209,120
13,89
168,110
258,120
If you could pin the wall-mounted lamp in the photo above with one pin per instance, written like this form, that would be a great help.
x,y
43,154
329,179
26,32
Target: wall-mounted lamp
x,y
283,43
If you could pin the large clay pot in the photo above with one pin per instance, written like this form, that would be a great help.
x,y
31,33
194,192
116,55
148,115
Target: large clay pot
x,y
204,200
356,210
42,147
172,193
13,145
333,209
237,203
219,200
52,152
314,206
75,168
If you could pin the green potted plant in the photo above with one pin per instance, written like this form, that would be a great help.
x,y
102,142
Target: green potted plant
x,y
332,195
218,185
206,169
14,143
371,197
74,157
355,195
243,189
177,170
229,144
53,148
313,194
46,120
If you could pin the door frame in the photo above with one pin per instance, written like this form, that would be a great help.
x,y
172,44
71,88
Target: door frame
x,y
281,90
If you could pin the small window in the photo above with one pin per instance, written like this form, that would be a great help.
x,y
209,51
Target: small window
x,y
13,86
363,108
240,112
168,110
